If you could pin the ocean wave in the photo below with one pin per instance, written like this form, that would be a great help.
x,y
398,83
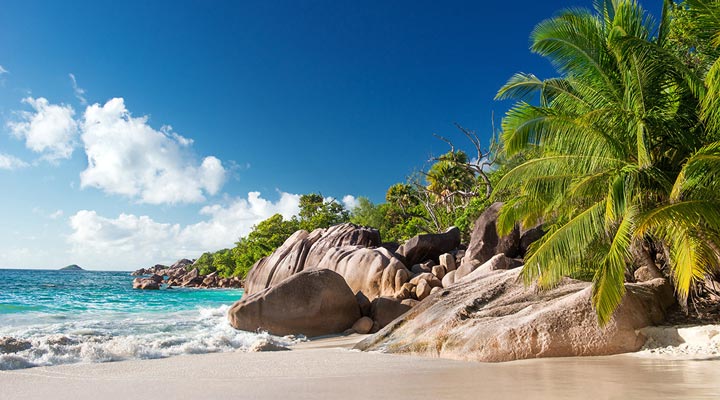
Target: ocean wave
x,y
104,338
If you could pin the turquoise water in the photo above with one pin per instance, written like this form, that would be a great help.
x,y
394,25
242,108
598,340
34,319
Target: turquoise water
x,y
87,316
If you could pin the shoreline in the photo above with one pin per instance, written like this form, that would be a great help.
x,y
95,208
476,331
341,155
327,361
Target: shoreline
x,y
326,368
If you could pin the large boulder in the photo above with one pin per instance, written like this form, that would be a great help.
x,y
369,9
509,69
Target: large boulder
x,y
304,250
429,246
494,317
340,236
285,261
312,303
386,309
374,272
485,242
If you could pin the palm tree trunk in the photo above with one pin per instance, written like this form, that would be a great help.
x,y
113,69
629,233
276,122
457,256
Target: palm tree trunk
x,y
643,258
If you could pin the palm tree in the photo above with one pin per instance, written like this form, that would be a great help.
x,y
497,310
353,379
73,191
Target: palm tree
x,y
622,165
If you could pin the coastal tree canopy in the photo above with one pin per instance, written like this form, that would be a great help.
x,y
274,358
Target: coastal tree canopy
x,y
625,165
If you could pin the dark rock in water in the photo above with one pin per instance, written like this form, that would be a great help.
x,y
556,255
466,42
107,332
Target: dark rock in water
x,y
430,246
145,284
485,242
9,345
313,303
72,267
494,317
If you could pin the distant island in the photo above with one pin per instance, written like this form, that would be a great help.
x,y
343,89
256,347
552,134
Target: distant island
x,y
73,267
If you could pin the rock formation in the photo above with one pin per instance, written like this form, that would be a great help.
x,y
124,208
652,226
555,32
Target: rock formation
x,y
429,246
485,242
313,303
180,274
305,250
492,316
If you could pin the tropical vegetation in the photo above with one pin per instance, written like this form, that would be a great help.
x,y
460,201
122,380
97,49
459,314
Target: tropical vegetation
x,y
622,147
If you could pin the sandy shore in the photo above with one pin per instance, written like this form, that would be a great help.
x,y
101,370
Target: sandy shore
x,y
327,369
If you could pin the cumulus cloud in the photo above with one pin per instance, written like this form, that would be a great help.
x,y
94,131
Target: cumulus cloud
x,y
79,92
49,129
126,156
10,162
350,202
131,241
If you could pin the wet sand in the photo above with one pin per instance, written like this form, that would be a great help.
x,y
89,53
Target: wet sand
x,y
327,369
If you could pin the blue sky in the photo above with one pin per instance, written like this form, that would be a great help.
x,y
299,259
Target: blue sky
x,y
141,132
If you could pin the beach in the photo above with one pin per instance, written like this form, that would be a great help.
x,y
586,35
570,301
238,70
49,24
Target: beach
x,y
329,369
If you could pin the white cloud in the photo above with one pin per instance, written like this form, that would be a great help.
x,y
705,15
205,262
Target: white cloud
x,y
350,202
57,214
79,92
126,156
10,162
131,241
50,129
3,70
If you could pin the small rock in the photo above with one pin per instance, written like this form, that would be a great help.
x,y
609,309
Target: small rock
x,y
448,279
438,271
410,302
11,345
364,303
363,325
423,290
420,269
447,260
401,276
266,345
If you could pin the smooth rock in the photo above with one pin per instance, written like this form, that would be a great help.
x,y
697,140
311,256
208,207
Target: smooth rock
x,y
364,303
430,246
494,317
321,248
529,236
145,284
448,279
420,269
363,325
375,272
438,271
447,260
313,303
410,302
485,242
497,262
266,345
386,309
423,289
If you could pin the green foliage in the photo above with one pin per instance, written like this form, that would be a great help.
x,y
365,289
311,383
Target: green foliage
x,y
316,212
610,148
268,235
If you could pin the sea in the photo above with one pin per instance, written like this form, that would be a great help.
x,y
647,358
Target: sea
x,y
90,316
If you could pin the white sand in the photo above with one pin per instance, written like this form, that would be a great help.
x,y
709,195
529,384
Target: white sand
x,y
326,369
681,342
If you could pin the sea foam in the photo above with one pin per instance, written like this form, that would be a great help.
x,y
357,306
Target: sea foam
x,y
123,336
